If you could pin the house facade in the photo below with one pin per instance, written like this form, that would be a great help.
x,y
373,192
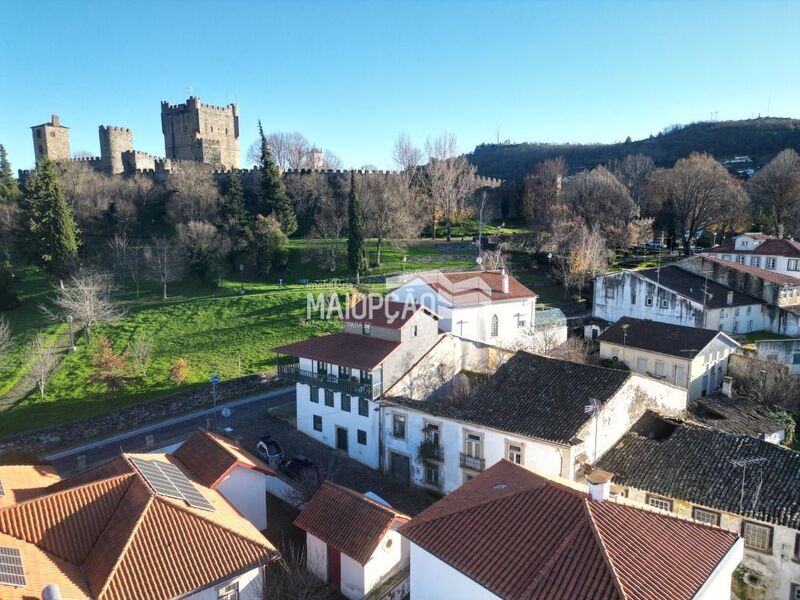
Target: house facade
x,y
531,411
786,352
576,543
760,251
688,357
737,482
339,377
352,540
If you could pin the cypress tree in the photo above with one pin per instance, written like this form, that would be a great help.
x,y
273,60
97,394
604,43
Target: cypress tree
x,y
356,253
235,217
51,227
9,191
273,192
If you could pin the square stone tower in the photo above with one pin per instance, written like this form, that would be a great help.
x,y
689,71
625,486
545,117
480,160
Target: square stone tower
x,y
51,140
201,132
113,142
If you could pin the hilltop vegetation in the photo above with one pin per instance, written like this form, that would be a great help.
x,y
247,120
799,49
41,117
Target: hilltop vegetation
x,y
760,138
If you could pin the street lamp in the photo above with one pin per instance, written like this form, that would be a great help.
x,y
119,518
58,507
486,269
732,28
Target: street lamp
x,y
241,279
405,259
70,319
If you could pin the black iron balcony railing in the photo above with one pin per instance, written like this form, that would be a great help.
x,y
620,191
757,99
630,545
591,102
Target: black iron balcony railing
x,y
471,462
429,450
354,387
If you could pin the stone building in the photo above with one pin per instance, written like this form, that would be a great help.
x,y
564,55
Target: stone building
x,y
201,132
51,140
113,142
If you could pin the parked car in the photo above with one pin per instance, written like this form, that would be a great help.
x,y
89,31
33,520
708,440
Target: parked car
x,y
298,466
654,245
269,451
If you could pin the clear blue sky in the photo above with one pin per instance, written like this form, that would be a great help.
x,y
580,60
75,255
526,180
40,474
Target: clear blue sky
x,y
351,75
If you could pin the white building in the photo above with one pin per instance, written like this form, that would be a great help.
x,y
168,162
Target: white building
x,y
512,533
488,306
673,295
352,540
738,482
532,411
340,376
688,357
761,251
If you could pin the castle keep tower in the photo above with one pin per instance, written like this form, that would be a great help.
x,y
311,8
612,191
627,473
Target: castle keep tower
x,y
51,140
201,132
113,142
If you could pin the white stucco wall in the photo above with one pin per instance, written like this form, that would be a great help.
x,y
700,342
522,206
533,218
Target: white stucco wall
x,y
390,554
246,489
317,556
250,587
352,578
433,579
718,584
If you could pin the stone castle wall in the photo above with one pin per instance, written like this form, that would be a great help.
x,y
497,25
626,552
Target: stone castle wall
x,y
201,132
51,140
114,141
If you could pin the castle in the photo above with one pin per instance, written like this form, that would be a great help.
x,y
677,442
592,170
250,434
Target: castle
x,y
192,132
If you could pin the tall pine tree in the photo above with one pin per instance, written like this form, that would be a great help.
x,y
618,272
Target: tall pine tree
x,y
236,219
356,253
273,192
9,191
50,225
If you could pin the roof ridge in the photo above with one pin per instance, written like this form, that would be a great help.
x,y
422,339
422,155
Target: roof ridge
x,y
589,515
367,499
64,491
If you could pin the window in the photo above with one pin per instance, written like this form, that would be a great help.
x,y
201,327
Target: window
x,y
726,257
345,403
472,445
648,301
749,309
495,326
345,372
39,134
750,325
317,423
740,260
793,264
315,394
366,329
229,591
661,503
514,452
796,358
328,398
736,327
709,517
664,303
659,367
362,437
797,546
520,323
771,262
757,536
610,293
641,364
736,312
363,407
322,368
399,426
755,261
414,331
431,474
795,592
432,433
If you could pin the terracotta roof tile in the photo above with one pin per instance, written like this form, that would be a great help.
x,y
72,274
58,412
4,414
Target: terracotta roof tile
x,y
465,288
23,482
523,536
771,246
347,521
390,314
351,350
765,274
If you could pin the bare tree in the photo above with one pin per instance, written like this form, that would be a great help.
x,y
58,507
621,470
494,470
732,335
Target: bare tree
x,y
289,579
449,178
406,156
329,223
694,193
582,259
290,150
119,255
767,382
194,193
633,172
493,259
87,298
776,190
542,202
43,357
306,483
389,209
165,262
600,200
140,351
330,160
5,336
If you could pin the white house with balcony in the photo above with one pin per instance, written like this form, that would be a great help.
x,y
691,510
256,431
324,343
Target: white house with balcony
x,y
761,251
340,376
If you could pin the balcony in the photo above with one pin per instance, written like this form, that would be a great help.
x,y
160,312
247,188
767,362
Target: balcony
x,y
431,451
472,463
352,386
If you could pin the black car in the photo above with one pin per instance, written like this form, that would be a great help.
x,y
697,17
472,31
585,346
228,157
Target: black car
x,y
298,467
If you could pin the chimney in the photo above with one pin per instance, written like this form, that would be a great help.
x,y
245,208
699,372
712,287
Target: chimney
x,y
55,121
51,592
504,279
599,485
730,298
727,386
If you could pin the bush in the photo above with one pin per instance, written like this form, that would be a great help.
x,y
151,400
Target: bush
x,y
179,371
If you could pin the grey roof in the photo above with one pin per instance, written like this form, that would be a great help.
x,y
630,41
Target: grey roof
x,y
692,286
698,464
736,415
665,338
533,396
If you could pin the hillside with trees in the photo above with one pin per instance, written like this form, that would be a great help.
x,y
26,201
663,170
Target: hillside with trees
x,y
761,139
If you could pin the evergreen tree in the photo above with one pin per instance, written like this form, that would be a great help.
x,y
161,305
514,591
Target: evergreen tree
x,y
9,191
356,253
235,218
53,234
273,192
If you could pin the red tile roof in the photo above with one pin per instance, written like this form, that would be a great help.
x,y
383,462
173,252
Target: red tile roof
x,y
523,536
347,521
765,274
212,457
771,247
106,535
465,288
390,314
349,349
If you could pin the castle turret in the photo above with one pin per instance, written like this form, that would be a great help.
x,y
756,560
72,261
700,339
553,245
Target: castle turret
x,y
113,142
51,140
201,132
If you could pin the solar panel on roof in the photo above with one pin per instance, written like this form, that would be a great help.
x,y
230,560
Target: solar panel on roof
x,y
168,480
11,572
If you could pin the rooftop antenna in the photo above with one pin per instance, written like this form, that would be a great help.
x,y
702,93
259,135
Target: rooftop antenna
x,y
744,463
706,295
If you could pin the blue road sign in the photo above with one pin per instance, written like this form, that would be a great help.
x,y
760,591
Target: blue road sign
x,y
215,379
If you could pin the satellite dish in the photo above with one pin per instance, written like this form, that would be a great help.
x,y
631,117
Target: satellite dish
x,y
226,412
479,260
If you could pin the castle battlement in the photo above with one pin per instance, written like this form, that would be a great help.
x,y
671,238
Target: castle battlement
x,y
194,102
114,128
85,159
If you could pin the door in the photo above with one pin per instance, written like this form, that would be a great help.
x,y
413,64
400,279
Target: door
x,y
334,568
341,438
401,468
